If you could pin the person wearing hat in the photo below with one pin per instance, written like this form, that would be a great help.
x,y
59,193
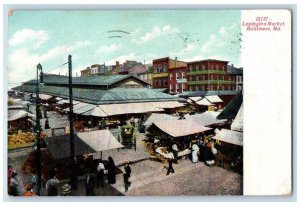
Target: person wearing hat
x,y
29,191
66,190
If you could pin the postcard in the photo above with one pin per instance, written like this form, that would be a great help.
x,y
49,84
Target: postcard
x,y
147,102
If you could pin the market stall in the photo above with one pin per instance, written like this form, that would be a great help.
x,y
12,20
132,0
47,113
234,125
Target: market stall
x,y
208,118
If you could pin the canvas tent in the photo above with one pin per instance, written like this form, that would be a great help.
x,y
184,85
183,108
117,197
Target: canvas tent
x,y
207,118
179,128
167,104
84,143
214,99
237,124
158,117
17,114
96,112
204,102
229,136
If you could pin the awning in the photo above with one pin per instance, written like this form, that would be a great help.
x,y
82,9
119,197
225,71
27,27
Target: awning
x,y
237,123
167,105
157,117
58,98
45,96
130,108
214,99
230,136
17,114
204,102
86,108
179,128
196,99
96,112
207,118
77,106
84,143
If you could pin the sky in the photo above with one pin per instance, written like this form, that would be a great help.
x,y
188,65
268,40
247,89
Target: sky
x,y
48,37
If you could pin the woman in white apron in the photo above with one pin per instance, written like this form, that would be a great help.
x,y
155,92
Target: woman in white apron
x,y
195,150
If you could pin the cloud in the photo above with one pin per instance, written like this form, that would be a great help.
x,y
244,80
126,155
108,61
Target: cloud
x,y
155,33
190,48
32,37
24,60
108,49
207,47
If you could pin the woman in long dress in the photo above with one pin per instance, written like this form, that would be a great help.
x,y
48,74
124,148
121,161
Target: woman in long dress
x,y
195,150
111,176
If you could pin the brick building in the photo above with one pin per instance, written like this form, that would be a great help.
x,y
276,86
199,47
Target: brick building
x,y
210,75
161,71
177,79
238,76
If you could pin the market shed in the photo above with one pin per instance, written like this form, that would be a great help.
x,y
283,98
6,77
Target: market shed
x,y
179,128
84,143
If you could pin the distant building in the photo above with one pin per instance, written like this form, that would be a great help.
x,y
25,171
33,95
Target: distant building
x,y
142,72
210,75
237,74
86,72
177,79
161,71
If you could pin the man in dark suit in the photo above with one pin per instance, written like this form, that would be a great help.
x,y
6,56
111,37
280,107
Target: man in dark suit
x,y
170,160
89,183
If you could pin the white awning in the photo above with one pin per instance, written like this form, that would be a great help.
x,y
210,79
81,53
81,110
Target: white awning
x,y
196,99
230,136
207,118
214,99
84,143
158,117
45,96
204,102
179,128
96,112
130,108
167,105
17,114
77,106
100,140
237,123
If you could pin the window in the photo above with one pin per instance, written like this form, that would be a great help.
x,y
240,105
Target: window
x,y
197,67
203,87
177,76
171,76
211,67
229,78
223,68
177,89
197,88
217,67
203,77
165,67
191,68
203,67
166,82
155,69
150,76
183,86
211,77
183,75
211,87
160,69
191,89
197,78
171,88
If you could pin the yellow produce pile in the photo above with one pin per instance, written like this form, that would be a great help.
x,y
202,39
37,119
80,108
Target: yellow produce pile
x,y
21,140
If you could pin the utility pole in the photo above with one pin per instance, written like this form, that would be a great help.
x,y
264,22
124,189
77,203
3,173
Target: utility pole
x,y
38,128
72,152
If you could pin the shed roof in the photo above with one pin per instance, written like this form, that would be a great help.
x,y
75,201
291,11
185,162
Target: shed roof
x,y
207,118
232,108
204,102
214,99
84,143
17,114
158,117
179,128
230,136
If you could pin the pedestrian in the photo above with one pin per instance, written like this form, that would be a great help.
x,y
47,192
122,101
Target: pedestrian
x,y
28,191
45,112
33,181
175,152
13,185
126,176
170,161
89,183
51,184
195,151
47,124
100,174
111,171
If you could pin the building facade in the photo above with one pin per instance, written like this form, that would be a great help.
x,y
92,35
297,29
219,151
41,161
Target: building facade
x,y
177,80
86,72
238,75
161,71
210,75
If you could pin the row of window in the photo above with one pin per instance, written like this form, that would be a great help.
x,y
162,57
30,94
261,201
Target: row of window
x,y
211,87
160,68
177,88
203,67
160,82
177,75
211,77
